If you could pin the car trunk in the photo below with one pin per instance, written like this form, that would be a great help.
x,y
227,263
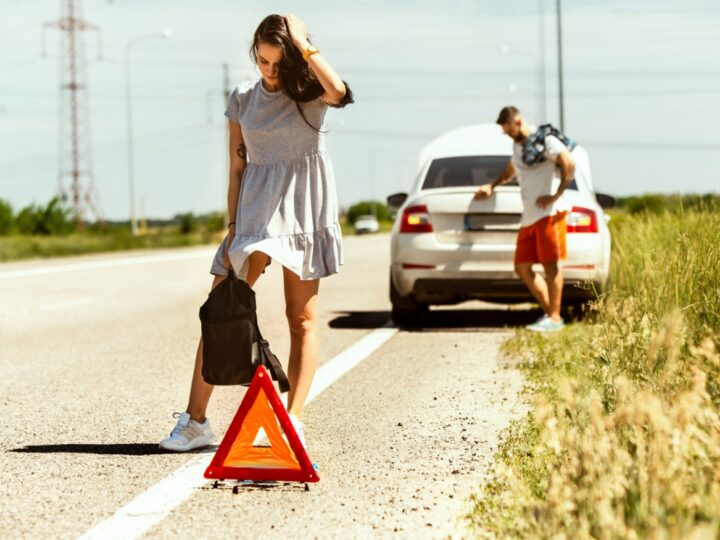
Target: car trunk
x,y
457,218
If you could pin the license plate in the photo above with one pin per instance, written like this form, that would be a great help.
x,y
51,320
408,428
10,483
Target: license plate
x,y
492,222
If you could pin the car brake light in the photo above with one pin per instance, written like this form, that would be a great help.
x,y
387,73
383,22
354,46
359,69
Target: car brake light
x,y
415,219
582,220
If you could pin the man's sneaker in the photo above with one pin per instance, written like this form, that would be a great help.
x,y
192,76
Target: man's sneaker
x,y
539,320
188,434
546,324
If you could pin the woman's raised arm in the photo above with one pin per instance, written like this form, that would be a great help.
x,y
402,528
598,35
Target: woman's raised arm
x,y
335,89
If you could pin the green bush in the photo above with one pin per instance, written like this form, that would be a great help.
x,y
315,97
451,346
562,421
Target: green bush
x,y
54,219
6,217
365,208
655,203
27,219
216,222
57,218
188,223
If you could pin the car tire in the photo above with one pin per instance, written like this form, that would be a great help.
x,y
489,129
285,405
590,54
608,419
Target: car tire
x,y
575,310
406,311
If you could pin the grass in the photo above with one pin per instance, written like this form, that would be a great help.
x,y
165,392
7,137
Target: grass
x,y
15,247
19,247
623,438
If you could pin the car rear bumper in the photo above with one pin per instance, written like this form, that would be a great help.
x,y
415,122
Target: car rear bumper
x,y
452,291
437,272
445,286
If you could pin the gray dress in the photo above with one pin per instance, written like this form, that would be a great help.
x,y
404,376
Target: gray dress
x,y
287,205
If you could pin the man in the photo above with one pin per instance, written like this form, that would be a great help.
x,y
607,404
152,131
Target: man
x,y
541,238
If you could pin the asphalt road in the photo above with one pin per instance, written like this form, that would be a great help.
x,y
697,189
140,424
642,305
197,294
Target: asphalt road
x,y
96,354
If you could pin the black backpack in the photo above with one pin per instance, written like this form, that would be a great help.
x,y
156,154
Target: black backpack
x,y
233,346
533,151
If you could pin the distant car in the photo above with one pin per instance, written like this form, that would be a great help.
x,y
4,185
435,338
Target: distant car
x,y
448,247
366,224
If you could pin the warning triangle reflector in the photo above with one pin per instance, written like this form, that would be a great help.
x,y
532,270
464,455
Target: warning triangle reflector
x,y
284,460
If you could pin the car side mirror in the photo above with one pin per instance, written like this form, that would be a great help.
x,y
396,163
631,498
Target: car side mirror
x,y
605,201
396,200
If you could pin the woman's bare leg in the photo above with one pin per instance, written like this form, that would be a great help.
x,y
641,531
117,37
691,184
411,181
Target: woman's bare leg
x,y
300,308
200,391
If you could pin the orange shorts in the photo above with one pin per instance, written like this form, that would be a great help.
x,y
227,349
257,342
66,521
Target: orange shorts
x,y
543,241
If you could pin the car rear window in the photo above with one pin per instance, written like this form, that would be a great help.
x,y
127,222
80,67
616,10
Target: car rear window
x,y
468,171
465,171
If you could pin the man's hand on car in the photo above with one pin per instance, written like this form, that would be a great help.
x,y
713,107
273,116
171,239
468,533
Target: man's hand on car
x,y
485,191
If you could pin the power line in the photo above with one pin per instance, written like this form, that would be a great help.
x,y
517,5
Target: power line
x,y
628,145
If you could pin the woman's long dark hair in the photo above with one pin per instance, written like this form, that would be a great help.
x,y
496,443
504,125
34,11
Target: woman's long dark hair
x,y
297,81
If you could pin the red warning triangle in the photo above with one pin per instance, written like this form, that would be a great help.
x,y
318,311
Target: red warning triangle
x,y
237,458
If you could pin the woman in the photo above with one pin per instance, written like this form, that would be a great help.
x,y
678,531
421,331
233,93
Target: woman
x,y
281,201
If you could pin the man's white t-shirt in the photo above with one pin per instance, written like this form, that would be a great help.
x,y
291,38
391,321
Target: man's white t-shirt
x,y
538,180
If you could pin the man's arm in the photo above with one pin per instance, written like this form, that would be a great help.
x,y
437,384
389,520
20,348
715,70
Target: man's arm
x,y
567,174
486,190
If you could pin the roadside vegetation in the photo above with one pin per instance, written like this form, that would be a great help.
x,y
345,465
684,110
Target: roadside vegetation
x,y
50,231
367,208
38,231
623,435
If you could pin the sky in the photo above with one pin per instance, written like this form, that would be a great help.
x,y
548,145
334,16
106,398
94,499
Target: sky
x,y
642,81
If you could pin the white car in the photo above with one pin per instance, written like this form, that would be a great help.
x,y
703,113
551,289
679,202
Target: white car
x,y
448,247
366,224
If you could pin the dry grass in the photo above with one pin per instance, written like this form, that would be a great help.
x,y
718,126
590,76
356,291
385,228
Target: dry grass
x,y
623,440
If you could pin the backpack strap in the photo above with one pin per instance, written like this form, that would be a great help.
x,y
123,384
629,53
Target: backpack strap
x,y
273,364
270,361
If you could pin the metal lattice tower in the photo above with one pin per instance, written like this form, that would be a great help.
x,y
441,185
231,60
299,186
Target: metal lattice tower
x,y
74,152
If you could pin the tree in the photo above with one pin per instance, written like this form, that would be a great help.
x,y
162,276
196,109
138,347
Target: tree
x,y
55,218
6,217
216,222
27,219
365,208
188,223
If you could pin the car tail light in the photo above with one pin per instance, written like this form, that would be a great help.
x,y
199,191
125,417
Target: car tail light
x,y
582,220
415,219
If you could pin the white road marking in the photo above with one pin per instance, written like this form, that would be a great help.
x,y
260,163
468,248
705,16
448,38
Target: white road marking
x,y
105,263
151,507
70,303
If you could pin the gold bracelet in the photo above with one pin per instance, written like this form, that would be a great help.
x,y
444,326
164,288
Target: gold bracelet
x,y
307,53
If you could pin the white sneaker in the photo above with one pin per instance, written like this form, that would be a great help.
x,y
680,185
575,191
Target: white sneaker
x,y
546,325
261,439
299,429
539,320
188,434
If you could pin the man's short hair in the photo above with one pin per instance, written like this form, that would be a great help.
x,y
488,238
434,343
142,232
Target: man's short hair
x,y
507,115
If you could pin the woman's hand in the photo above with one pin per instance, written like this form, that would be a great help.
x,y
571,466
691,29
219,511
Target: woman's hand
x,y
298,32
228,241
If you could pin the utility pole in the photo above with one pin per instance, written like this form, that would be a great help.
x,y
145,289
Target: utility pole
x,y
165,34
560,66
74,125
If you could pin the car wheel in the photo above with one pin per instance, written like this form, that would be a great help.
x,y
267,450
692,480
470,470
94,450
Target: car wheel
x,y
575,310
406,311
